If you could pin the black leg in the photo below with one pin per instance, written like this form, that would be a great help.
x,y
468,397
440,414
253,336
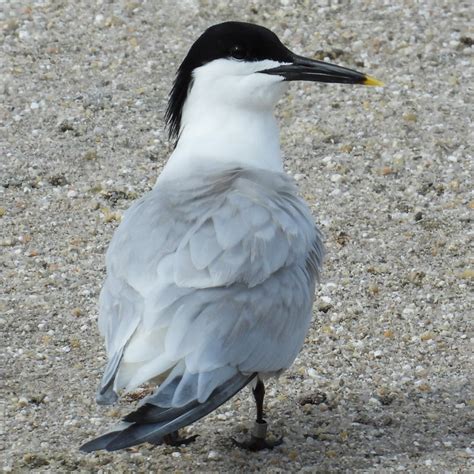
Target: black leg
x,y
259,395
258,440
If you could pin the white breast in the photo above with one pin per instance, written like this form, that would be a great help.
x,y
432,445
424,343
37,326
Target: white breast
x,y
228,118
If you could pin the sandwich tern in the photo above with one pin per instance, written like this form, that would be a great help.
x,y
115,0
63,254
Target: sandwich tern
x,y
211,275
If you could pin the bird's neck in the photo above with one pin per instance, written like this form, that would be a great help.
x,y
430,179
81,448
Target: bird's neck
x,y
219,134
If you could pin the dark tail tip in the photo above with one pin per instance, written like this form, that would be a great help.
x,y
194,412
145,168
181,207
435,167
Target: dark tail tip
x,y
99,443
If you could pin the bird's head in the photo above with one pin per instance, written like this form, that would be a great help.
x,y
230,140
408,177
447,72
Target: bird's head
x,y
245,65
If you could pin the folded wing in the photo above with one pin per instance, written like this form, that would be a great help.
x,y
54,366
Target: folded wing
x,y
207,282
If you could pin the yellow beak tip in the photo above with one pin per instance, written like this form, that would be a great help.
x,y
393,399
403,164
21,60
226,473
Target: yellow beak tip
x,y
371,81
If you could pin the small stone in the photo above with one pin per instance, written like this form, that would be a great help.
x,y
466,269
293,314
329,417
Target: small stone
x,y
386,170
293,455
416,277
418,216
213,455
343,239
410,117
374,401
90,155
315,398
114,413
113,21
385,420
35,460
11,25
110,216
466,40
75,343
23,34
22,402
346,148
386,399
39,398
58,180
324,307
65,126
312,373
467,274
427,336
424,387
374,290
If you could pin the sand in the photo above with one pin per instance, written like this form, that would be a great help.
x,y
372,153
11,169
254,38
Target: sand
x,y
384,381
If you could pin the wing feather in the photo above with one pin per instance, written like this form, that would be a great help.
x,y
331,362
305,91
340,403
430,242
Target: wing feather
x,y
151,423
206,278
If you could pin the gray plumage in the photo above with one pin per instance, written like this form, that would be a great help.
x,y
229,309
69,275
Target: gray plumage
x,y
210,280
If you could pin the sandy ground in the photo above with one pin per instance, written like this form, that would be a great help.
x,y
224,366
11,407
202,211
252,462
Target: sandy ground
x,y
383,382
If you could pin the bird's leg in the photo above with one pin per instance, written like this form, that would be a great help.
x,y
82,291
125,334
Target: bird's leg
x,y
259,395
258,434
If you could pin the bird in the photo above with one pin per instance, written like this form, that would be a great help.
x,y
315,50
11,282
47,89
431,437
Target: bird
x,y
211,275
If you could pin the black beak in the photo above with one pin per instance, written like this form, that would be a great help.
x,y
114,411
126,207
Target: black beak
x,y
304,69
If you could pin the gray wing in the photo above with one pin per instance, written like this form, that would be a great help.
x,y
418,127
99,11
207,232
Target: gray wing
x,y
150,422
206,281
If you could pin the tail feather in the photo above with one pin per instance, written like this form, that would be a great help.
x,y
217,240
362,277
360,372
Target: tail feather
x,y
150,423
106,394
150,413
102,441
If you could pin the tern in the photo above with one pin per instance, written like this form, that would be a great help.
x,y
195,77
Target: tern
x,y
211,275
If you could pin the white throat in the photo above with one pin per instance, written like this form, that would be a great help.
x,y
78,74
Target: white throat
x,y
228,120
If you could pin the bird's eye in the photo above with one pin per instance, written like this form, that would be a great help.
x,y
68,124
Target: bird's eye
x,y
237,51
